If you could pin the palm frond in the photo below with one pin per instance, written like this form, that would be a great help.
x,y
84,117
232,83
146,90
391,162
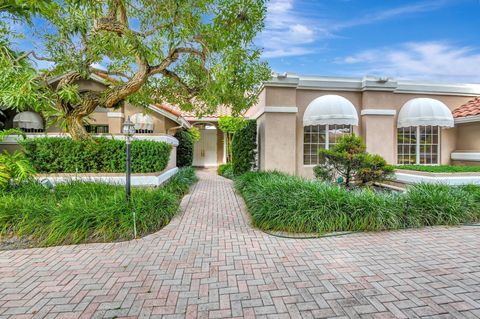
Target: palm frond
x,y
4,176
11,131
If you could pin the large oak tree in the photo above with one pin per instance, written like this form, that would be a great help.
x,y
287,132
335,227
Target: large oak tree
x,y
196,54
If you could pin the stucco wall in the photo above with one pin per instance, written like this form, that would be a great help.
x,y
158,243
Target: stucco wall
x,y
278,151
468,137
280,147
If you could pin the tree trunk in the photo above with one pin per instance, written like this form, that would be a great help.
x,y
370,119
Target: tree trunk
x,y
75,127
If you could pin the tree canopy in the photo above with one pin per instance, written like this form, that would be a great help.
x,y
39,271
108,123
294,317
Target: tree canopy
x,y
194,54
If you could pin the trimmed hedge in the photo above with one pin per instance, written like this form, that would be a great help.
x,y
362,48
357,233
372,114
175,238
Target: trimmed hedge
x,y
282,202
64,155
244,146
184,148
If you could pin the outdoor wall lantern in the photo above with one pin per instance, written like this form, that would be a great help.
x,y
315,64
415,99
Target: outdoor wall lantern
x,y
128,130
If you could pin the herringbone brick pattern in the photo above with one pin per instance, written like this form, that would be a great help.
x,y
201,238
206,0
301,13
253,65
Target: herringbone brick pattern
x,y
209,263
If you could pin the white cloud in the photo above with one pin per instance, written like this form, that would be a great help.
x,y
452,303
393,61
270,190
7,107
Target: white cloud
x,y
439,61
391,13
292,32
287,32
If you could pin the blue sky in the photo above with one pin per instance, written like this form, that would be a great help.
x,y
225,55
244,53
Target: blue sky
x,y
437,40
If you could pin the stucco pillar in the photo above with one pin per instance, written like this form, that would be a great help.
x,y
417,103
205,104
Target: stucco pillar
x,y
378,130
279,133
115,122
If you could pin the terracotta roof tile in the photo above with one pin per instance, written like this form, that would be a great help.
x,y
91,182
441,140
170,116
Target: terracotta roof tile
x,y
470,108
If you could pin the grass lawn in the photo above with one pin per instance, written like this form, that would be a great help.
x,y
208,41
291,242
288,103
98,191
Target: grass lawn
x,y
440,168
80,212
282,202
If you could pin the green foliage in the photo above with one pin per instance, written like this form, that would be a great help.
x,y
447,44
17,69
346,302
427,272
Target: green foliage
x,y
195,133
14,168
244,146
208,58
440,168
64,155
184,148
78,212
11,131
226,170
349,159
281,202
229,125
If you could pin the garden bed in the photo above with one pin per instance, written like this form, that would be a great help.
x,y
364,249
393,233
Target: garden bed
x,y
280,202
83,212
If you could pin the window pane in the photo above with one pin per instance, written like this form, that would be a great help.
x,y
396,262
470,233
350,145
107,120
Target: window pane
x,y
313,140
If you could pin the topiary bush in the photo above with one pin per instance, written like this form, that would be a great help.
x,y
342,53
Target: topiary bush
x,y
244,145
349,159
64,155
184,148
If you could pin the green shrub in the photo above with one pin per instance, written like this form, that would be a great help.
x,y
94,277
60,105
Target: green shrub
x,y
226,170
244,145
440,168
64,155
348,159
80,212
281,202
184,148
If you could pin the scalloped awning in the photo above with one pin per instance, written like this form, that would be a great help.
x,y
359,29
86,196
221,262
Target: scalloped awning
x,y
28,120
142,121
330,109
424,112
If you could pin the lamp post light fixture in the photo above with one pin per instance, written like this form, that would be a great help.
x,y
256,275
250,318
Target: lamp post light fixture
x,y
128,129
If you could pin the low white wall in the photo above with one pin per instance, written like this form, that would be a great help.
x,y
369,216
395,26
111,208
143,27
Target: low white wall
x,y
136,180
449,179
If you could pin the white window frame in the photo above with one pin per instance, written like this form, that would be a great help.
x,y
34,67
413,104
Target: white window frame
x,y
418,144
327,139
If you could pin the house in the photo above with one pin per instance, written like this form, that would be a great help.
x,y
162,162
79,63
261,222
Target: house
x,y
158,122
406,122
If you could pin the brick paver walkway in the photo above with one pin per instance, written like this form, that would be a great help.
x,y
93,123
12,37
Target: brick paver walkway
x,y
209,263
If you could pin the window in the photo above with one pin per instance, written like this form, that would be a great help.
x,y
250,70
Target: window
x,y
32,130
316,137
96,129
418,145
143,131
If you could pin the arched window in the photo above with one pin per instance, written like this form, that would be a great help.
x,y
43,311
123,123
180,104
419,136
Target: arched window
x,y
143,123
326,119
29,122
418,131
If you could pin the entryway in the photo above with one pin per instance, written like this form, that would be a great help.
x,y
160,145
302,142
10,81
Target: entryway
x,y
205,150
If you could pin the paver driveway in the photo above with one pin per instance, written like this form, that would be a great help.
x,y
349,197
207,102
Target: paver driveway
x,y
210,263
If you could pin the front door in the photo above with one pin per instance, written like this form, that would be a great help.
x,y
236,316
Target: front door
x,y
205,150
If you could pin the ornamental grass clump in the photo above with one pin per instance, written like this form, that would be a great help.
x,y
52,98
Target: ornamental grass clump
x,y
281,202
80,212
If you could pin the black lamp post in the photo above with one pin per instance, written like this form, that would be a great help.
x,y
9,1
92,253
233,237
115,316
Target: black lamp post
x,y
128,130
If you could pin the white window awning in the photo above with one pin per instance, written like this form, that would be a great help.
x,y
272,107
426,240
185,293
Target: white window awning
x,y
142,121
28,120
424,112
330,109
